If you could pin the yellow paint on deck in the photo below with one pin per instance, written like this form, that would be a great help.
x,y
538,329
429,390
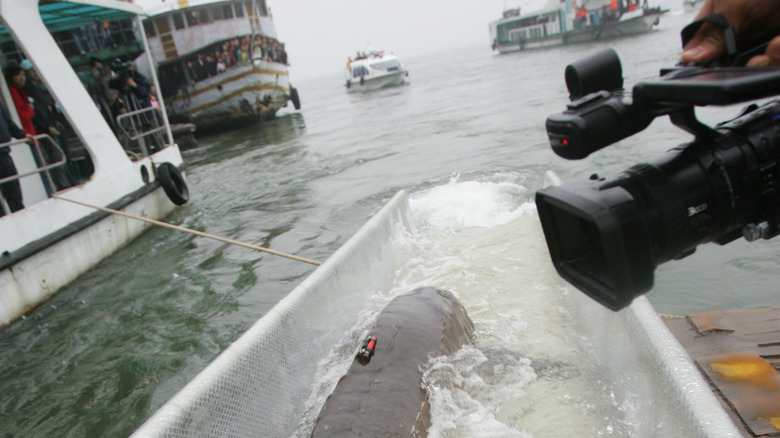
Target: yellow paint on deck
x,y
747,369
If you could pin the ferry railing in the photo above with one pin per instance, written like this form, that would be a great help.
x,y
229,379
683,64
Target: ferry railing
x,y
43,160
142,127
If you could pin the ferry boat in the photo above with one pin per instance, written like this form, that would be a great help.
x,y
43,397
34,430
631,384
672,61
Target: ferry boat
x,y
220,63
373,69
564,23
126,164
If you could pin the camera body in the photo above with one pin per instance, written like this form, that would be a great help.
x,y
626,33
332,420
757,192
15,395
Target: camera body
x,y
607,235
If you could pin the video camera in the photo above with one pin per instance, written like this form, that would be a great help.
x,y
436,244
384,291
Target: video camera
x,y
607,235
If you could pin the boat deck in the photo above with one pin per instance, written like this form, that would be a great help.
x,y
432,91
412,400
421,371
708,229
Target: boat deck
x,y
739,355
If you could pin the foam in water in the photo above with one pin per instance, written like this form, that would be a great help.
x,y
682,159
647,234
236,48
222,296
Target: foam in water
x,y
529,372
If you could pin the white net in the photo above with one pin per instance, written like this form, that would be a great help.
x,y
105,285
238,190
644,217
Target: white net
x,y
259,385
262,385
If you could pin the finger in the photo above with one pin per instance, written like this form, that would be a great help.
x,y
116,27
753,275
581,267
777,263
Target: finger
x,y
708,43
770,58
773,51
758,61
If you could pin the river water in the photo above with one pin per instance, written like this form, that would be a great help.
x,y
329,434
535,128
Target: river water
x,y
466,139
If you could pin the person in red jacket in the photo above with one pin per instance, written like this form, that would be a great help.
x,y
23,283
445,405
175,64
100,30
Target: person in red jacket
x,y
15,77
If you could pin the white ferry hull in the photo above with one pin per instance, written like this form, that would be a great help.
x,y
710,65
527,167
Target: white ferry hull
x,y
633,26
31,281
239,96
377,82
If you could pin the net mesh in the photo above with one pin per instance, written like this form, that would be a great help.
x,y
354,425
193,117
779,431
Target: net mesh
x,y
255,387
261,385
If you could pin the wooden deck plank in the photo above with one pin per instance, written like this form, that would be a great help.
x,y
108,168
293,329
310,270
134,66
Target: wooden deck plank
x,y
739,354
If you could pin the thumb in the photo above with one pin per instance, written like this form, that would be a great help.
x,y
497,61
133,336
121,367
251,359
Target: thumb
x,y
707,44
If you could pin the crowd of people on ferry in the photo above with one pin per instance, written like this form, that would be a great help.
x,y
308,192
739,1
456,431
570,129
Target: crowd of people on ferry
x,y
38,114
218,59
213,61
606,14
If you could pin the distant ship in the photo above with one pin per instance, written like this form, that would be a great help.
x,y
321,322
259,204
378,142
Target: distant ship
x,y
563,23
373,69
219,62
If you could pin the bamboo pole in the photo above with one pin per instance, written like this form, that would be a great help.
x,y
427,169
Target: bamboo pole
x,y
191,231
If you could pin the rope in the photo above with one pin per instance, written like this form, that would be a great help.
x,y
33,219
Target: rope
x,y
195,232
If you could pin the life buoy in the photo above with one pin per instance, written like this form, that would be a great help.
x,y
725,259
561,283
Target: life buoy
x,y
172,182
294,97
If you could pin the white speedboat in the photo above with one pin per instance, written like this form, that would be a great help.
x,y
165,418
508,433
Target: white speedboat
x,y
561,23
57,237
372,70
219,62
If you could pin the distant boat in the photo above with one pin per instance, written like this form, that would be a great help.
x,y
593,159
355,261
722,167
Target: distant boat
x,y
372,70
563,23
219,62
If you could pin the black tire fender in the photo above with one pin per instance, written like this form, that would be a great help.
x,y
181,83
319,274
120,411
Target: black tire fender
x,y
172,182
296,100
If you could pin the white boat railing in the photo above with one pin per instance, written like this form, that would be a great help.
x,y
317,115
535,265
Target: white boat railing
x,y
142,127
44,169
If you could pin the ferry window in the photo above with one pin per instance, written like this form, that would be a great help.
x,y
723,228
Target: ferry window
x,y
162,25
262,8
227,11
178,21
192,20
359,71
390,65
204,16
149,28
239,9
218,13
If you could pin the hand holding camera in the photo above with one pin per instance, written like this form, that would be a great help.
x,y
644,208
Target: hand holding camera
x,y
754,21
607,235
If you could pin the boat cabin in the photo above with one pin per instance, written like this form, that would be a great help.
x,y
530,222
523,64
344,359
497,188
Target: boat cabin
x,y
557,19
206,38
97,43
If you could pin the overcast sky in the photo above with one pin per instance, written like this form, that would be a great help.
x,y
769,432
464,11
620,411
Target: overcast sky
x,y
321,34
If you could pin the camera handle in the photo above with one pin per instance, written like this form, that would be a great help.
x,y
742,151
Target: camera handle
x,y
685,119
